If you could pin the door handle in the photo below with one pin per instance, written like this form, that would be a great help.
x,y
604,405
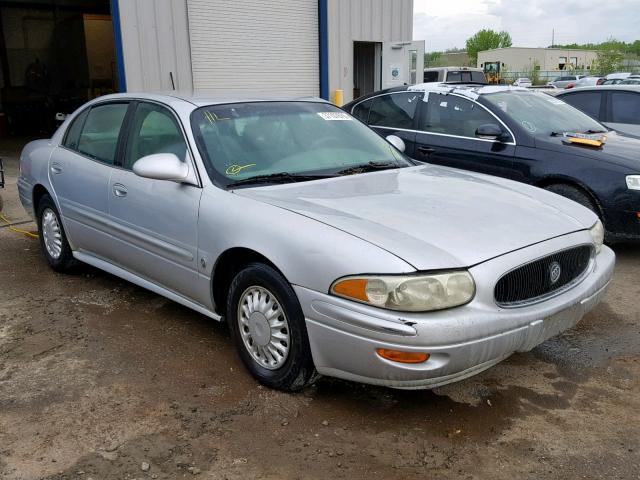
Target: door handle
x,y
56,169
119,190
426,150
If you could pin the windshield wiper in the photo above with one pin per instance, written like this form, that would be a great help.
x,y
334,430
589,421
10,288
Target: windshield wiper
x,y
280,177
590,131
368,167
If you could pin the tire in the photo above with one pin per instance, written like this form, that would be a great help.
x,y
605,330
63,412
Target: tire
x,y
53,239
286,364
575,194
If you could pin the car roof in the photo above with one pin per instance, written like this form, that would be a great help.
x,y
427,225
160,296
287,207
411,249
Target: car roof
x,y
471,90
599,88
200,100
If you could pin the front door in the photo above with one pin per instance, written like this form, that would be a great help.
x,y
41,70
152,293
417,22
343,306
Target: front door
x,y
155,221
80,170
402,63
447,127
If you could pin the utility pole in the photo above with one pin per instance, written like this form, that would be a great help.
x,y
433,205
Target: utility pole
x,y
553,37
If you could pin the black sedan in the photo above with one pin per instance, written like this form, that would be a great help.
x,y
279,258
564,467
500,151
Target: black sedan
x,y
516,133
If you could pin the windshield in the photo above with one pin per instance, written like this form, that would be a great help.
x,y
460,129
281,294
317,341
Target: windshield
x,y
288,141
541,114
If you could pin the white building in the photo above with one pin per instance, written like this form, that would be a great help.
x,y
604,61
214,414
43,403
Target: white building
x,y
518,59
292,47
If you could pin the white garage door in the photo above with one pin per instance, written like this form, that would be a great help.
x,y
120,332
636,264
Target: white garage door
x,y
255,46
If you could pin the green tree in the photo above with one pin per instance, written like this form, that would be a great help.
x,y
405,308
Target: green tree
x,y
486,40
610,57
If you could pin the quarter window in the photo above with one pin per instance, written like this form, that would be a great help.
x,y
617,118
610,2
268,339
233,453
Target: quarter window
x,y
453,115
99,136
154,129
73,132
361,111
625,107
588,102
395,110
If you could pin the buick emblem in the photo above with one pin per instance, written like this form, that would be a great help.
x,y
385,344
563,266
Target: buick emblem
x,y
554,272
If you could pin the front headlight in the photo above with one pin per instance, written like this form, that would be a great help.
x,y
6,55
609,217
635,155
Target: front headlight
x,y
597,234
633,182
408,293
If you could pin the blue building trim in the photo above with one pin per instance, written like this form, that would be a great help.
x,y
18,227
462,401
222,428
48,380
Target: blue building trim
x,y
117,36
323,25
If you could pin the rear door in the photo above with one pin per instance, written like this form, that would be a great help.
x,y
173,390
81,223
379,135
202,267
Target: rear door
x,y
80,170
155,221
395,114
447,127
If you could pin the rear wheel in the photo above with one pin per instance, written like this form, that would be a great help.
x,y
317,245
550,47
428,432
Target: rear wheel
x,y
53,239
269,329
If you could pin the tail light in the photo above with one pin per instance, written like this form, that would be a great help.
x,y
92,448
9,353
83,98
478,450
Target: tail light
x,y
600,81
571,85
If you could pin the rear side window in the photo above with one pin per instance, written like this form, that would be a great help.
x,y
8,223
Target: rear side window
x,y
395,110
73,132
588,102
625,107
361,111
99,135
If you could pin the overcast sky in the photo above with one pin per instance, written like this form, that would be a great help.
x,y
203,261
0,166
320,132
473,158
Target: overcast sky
x,y
447,24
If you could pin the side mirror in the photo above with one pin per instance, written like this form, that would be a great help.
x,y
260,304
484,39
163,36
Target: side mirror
x,y
163,166
397,142
490,131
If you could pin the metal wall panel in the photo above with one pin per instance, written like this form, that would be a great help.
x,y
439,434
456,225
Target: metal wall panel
x,y
155,39
365,21
255,46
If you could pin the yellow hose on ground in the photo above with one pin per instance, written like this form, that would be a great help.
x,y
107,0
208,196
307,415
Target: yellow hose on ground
x,y
17,230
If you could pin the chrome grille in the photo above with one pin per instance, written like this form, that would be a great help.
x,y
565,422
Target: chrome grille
x,y
542,277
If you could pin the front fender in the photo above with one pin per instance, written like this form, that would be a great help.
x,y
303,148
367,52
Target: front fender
x,y
308,253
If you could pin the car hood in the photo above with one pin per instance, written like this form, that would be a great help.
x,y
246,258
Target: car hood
x,y
432,217
619,149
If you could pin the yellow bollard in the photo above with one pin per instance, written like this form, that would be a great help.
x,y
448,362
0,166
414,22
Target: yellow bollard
x,y
338,98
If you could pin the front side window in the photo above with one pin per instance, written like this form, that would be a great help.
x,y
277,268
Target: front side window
x,y
625,107
588,102
541,114
453,115
154,129
245,141
99,136
395,110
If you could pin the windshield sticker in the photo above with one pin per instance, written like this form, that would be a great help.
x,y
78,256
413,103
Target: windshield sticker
x,y
334,116
529,126
236,169
502,105
443,104
212,117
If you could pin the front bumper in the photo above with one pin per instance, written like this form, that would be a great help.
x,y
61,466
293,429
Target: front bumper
x,y
461,341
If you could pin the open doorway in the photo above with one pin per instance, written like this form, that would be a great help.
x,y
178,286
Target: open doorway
x,y
367,70
54,56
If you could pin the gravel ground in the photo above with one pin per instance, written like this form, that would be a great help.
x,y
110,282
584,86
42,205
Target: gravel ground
x,y
100,379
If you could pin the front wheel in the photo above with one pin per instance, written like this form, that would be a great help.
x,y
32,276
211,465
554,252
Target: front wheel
x,y
269,329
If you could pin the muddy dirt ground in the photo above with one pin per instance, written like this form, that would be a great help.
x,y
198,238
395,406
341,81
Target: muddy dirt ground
x,y
100,379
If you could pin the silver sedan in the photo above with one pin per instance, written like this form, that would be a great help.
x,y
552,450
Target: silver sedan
x,y
323,246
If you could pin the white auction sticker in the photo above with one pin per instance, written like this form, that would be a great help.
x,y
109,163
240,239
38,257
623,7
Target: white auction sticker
x,y
334,116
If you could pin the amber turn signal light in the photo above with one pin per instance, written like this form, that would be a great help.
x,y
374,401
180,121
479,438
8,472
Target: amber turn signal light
x,y
402,357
